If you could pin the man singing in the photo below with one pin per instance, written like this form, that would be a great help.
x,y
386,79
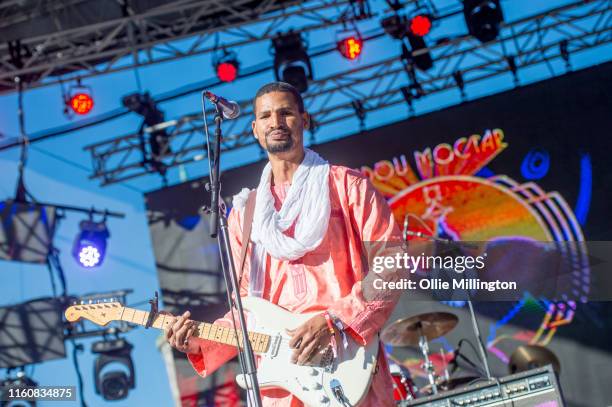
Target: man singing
x,y
307,251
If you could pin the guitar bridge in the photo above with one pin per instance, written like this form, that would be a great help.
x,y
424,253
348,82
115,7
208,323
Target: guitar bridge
x,y
338,393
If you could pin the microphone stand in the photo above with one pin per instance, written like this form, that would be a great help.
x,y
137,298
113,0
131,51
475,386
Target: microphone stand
x,y
481,348
218,222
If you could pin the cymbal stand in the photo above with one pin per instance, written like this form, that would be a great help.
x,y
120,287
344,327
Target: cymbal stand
x,y
427,364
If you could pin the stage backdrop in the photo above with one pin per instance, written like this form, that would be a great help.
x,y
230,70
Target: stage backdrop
x,y
530,162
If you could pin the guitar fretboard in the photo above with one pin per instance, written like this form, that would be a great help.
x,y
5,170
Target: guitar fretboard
x,y
217,333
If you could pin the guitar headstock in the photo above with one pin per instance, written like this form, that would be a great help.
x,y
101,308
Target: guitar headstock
x,y
100,313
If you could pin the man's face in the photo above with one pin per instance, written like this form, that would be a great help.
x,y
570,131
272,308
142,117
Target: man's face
x,y
278,124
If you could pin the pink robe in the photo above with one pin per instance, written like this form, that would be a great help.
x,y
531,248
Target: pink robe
x,y
327,278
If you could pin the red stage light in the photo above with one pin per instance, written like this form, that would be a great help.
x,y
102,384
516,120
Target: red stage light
x,y
81,103
420,25
227,71
350,47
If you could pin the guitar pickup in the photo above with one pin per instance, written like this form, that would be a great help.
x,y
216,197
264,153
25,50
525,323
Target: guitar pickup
x,y
276,343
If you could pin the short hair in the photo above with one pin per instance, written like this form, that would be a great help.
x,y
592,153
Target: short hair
x,y
280,87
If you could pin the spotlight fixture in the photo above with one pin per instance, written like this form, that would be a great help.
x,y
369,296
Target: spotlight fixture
x,y
81,103
291,61
89,248
11,385
397,27
415,88
483,18
226,66
422,56
350,47
113,384
145,106
420,25
79,99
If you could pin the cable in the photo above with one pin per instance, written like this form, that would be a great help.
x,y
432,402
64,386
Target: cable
x,y
50,268
79,166
60,270
21,193
75,349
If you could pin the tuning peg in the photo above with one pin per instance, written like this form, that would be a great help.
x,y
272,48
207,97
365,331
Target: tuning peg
x,y
90,301
74,302
82,302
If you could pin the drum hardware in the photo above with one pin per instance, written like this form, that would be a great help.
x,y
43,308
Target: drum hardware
x,y
527,357
416,331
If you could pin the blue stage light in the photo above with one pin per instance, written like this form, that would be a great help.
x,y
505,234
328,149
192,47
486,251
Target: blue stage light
x,y
89,247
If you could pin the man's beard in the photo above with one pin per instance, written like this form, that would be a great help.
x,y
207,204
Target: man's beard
x,y
279,146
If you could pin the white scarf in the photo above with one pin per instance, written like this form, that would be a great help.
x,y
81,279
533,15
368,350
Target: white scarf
x,y
307,205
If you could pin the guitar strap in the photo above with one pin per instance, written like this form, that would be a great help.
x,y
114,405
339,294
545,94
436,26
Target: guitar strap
x,y
249,212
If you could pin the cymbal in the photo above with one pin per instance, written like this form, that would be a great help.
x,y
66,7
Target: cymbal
x,y
445,385
405,332
527,357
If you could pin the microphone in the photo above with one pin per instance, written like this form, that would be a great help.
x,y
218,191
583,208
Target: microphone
x,y
454,362
228,108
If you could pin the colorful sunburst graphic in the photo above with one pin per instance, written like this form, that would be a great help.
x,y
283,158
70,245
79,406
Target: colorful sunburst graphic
x,y
445,197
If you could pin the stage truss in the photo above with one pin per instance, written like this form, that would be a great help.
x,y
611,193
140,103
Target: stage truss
x,y
535,40
147,37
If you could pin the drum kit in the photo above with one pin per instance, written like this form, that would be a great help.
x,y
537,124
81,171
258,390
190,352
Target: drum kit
x,y
416,332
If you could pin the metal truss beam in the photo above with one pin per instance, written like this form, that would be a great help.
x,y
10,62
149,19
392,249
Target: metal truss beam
x,y
153,36
532,41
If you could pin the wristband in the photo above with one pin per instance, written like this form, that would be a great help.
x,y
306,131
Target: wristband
x,y
330,324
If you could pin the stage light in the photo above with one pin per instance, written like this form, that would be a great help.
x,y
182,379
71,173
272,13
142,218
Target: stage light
x,y
89,248
291,61
81,103
113,384
78,99
422,56
350,47
397,27
226,66
483,18
420,25
145,106
227,71
9,385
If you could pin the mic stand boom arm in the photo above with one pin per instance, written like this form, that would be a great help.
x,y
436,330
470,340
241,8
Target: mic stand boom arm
x,y
219,223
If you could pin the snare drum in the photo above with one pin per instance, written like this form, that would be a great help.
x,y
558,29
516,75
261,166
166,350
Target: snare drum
x,y
403,386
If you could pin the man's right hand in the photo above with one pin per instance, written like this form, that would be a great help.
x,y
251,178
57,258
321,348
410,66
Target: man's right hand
x,y
180,334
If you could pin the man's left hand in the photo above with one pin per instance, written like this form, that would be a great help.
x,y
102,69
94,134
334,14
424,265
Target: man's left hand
x,y
309,338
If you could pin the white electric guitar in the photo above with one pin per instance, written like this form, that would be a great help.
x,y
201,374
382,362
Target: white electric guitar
x,y
324,381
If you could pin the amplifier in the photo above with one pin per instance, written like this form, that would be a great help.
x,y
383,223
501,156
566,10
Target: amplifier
x,y
533,388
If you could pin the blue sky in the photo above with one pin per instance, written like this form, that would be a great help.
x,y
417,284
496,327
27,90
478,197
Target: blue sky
x,y
58,171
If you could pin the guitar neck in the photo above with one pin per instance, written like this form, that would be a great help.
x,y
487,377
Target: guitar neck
x,y
212,332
